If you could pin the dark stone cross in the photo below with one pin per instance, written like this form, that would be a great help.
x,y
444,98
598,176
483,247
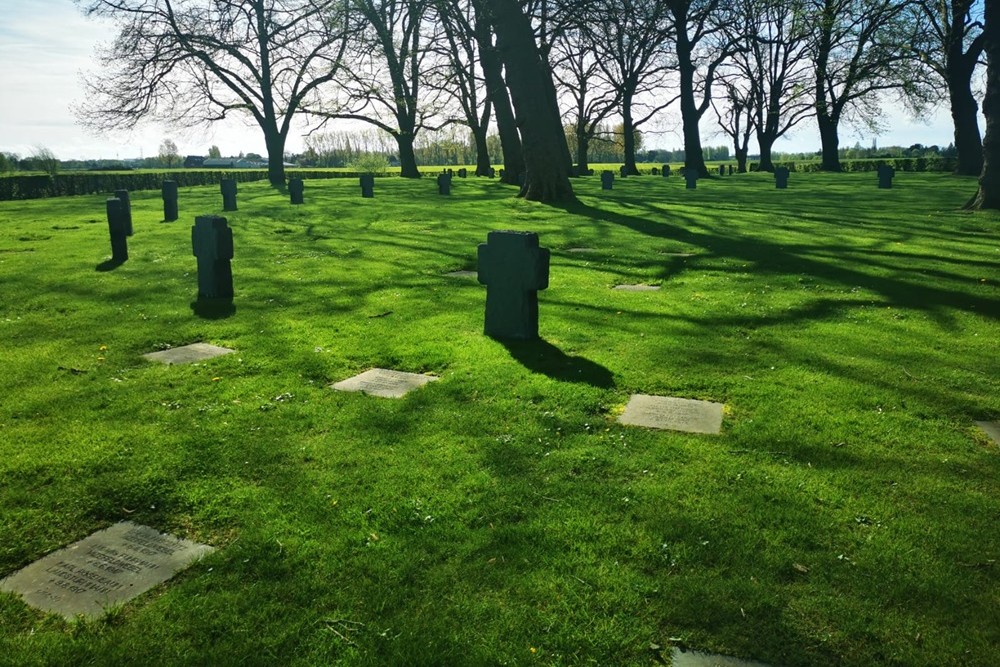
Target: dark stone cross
x,y
654,171
296,190
463,172
623,170
367,185
127,208
730,170
169,192
885,174
228,188
722,170
665,171
444,184
781,178
492,173
513,268
118,230
691,176
212,243
607,180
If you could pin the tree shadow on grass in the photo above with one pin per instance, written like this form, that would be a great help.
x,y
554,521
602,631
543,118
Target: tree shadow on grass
x,y
543,357
213,309
109,265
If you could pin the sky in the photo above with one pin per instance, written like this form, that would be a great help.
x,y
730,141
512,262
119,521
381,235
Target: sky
x,y
47,45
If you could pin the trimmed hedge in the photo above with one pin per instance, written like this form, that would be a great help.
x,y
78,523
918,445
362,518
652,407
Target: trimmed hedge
x,y
898,163
38,186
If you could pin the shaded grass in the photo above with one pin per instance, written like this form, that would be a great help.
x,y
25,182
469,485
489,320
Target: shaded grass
x,y
846,515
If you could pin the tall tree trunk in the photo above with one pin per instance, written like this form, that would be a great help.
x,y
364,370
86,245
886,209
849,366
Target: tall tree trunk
x,y
765,141
496,90
989,180
830,143
694,157
965,114
546,155
482,150
275,143
741,159
582,149
628,136
407,157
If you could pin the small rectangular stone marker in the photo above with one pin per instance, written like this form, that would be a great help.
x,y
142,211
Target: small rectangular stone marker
x,y
991,429
680,658
637,288
384,383
367,182
169,192
607,180
444,184
673,414
296,190
127,208
228,188
781,178
110,567
188,354
885,174
691,178
118,229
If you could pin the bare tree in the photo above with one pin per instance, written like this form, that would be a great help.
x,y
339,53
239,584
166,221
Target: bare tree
x,y
737,117
701,47
189,62
628,37
950,43
770,38
579,77
462,76
860,51
169,154
988,196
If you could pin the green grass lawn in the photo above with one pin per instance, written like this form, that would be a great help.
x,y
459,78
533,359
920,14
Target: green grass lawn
x,y
847,515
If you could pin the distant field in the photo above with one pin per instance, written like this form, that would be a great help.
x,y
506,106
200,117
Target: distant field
x,y
846,515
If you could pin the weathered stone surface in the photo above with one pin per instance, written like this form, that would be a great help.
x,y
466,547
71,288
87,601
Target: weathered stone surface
x,y
991,429
581,250
188,354
637,288
108,568
212,244
513,267
673,414
681,658
384,383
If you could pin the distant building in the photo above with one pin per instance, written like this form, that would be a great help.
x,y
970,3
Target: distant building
x,y
194,161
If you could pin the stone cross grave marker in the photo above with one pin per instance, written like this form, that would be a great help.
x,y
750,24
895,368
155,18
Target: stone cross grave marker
x,y
212,244
492,173
730,170
228,188
513,267
691,177
885,174
117,229
607,180
502,172
367,182
168,190
655,171
665,171
187,354
296,190
673,414
781,178
623,170
444,184
127,207
463,172
722,170
991,429
108,568
384,383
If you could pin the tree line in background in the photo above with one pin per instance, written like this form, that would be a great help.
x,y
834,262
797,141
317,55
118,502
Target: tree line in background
x,y
533,68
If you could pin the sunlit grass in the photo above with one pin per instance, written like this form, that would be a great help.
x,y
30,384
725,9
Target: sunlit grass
x,y
846,515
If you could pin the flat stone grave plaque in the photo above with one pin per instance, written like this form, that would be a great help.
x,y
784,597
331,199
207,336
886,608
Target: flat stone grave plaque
x,y
462,274
110,567
384,383
637,288
678,254
992,429
188,354
679,658
673,414
581,250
